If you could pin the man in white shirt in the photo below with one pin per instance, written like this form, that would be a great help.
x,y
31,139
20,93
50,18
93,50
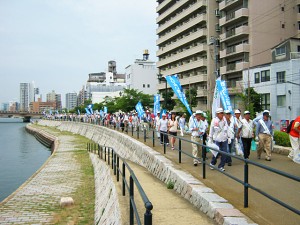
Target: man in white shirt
x,y
246,133
156,124
197,129
219,134
163,128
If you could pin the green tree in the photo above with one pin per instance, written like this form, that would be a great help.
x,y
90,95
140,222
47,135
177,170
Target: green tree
x,y
168,102
255,101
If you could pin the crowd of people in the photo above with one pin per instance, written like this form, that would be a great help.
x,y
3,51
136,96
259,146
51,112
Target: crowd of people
x,y
227,131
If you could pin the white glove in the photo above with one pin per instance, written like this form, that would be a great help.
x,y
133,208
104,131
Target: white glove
x,y
229,141
256,138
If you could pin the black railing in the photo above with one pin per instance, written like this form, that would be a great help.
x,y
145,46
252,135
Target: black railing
x,y
108,154
245,181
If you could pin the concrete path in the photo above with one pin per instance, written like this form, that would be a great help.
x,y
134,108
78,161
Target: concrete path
x,y
60,177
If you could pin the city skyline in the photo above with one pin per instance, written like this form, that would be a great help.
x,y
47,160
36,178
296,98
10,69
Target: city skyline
x,y
57,44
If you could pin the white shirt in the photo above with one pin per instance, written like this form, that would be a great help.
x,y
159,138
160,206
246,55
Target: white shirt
x,y
247,128
205,125
218,130
199,124
230,125
163,125
173,125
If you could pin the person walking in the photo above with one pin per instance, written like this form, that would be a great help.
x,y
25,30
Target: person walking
x,y
246,133
173,124
231,133
205,130
196,128
294,136
156,124
182,124
264,130
163,129
219,134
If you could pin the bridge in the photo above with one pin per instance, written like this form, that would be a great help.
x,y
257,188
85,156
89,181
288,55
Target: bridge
x,y
26,115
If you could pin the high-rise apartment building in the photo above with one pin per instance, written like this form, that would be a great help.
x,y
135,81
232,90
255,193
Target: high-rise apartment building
x,y
71,100
248,32
26,96
53,97
241,32
184,30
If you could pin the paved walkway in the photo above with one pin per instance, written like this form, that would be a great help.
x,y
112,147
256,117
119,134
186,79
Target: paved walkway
x,y
59,177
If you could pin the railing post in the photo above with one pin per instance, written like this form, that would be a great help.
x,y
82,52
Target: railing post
x,y
108,156
123,180
115,164
179,151
246,173
148,214
104,153
138,132
99,151
112,158
118,173
145,135
131,197
203,162
153,138
132,130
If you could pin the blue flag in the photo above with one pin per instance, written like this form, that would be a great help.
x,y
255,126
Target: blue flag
x,y
87,111
139,109
105,109
90,108
224,96
156,104
101,113
78,111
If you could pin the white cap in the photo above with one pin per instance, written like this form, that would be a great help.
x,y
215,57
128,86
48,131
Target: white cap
x,y
198,112
163,114
204,114
237,111
219,110
227,111
157,112
246,112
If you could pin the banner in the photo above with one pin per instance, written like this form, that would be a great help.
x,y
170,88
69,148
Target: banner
x,y
105,109
173,81
101,113
90,108
224,96
156,107
139,109
87,111
216,100
78,111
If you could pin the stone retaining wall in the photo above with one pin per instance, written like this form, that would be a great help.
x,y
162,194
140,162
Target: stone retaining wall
x,y
186,185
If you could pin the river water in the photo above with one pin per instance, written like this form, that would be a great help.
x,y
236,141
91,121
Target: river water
x,y
20,156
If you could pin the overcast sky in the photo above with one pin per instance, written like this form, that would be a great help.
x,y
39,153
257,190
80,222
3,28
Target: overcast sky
x,y
57,43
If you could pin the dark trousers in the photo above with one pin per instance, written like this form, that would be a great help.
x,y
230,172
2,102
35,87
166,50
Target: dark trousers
x,y
247,146
229,150
164,137
223,146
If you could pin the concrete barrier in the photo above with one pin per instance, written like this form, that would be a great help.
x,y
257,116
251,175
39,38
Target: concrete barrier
x,y
185,184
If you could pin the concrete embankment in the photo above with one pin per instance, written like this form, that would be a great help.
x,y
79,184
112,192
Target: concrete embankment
x,y
186,185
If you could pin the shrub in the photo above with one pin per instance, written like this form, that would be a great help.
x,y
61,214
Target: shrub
x,y
282,138
170,184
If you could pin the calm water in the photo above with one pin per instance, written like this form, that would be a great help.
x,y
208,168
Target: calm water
x,y
20,156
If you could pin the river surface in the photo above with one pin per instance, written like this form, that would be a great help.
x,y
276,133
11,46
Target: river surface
x,y
21,155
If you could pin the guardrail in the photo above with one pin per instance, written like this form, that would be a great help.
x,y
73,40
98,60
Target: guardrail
x,y
143,131
111,157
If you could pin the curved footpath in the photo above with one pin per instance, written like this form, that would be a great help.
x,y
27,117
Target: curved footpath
x,y
185,184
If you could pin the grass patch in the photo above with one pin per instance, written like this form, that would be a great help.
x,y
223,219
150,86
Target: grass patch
x,y
170,184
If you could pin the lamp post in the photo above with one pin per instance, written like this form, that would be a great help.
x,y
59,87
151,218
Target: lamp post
x,y
161,78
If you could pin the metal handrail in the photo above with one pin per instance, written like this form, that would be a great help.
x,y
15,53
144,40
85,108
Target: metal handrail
x,y
102,151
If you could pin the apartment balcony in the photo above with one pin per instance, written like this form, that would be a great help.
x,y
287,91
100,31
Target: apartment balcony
x,y
201,93
185,40
229,4
234,67
235,87
235,34
185,67
234,17
186,13
235,50
182,55
193,80
182,28
163,5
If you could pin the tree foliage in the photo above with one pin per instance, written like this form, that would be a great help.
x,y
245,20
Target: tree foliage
x,y
168,103
255,101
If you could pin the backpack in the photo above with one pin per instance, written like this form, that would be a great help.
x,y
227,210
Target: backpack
x,y
289,127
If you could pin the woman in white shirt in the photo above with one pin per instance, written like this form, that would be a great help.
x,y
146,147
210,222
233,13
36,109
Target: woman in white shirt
x,y
173,124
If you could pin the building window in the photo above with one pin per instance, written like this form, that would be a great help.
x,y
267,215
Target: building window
x,y
148,85
265,101
256,78
298,48
280,50
144,85
281,100
265,75
280,77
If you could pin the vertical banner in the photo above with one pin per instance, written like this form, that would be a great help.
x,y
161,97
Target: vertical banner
x,y
78,111
101,113
87,111
105,109
216,100
156,107
173,81
90,108
224,96
139,109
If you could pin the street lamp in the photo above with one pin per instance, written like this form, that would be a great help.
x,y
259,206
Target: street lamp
x,y
161,78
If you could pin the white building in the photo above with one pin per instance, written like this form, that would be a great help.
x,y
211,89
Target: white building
x,y
26,95
142,75
279,82
71,100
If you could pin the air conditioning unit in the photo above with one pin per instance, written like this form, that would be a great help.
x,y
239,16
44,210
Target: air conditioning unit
x,y
217,12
